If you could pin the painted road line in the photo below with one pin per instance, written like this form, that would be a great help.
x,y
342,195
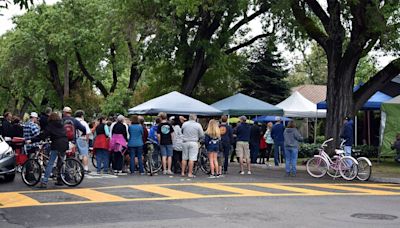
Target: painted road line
x,y
383,186
294,189
354,189
223,187
14,199
93,195
171,193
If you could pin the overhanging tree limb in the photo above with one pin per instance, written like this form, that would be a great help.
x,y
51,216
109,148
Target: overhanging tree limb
x,y
377,82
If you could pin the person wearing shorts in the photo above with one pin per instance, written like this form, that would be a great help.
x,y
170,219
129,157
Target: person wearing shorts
x,y
212,142
192,132
165,135
242,144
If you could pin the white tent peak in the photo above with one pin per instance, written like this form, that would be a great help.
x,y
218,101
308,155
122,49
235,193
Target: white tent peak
x,y
175,103
297,105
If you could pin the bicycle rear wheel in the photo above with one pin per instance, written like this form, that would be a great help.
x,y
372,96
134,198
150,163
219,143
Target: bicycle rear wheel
x,y
154,161
364,169
31,172
94,161
348,168
72,172
203,161
333,170
317,167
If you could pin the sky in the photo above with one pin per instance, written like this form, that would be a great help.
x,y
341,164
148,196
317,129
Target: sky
x,y
291,57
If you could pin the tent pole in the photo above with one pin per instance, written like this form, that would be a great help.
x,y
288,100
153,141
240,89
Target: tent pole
x,y
315,130
355,132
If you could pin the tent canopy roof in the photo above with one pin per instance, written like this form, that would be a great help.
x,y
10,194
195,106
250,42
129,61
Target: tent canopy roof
x,y
266,119
240,104
395,100
298,106
175,103
373,103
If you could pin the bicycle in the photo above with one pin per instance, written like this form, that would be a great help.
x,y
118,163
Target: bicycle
x,y
71,171
152,159
322,164
202,162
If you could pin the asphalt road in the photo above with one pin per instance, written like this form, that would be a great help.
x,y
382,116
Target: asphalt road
x,y
266,198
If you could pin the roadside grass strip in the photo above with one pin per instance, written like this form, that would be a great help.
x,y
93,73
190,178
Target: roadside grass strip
x,y
158,192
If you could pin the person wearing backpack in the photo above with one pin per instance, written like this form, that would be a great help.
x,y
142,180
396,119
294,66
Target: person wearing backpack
x,y
71,125
212,142
226,140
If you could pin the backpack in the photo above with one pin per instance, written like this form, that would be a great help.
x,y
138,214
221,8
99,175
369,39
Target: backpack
x,y
69,128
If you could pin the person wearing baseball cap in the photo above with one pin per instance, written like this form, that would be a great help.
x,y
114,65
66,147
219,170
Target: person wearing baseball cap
x,y
31,130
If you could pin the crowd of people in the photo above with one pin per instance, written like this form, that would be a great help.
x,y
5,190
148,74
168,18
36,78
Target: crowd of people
x,y
177,138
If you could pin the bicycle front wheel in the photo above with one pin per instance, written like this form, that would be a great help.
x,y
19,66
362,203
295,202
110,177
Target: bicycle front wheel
x,y
154,161
317,167
94,161
31,172
72,172
364,169
348,168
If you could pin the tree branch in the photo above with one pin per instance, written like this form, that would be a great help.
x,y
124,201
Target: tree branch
x,y
263,8
114,70
308,24
85,72
377,82
247,43
321,14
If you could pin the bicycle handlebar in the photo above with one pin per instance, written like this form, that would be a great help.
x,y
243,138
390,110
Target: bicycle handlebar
x,y
324,144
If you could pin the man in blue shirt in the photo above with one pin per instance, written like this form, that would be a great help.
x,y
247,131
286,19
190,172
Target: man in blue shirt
x,y
242,145
348,135
31,130
277,136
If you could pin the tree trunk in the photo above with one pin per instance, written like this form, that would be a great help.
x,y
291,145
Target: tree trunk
x,y
55,80
194,73
135,73
66,78
114,68
339,96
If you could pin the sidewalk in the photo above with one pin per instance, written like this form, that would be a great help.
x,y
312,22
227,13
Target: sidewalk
x,y
378,178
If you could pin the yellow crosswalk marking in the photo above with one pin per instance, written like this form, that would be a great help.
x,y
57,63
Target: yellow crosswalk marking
x,y
241,191
383,186
293,189
14,199
93,195
354,189
165,192
172,193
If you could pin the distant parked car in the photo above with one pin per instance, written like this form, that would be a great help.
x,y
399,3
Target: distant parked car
x,y
7,161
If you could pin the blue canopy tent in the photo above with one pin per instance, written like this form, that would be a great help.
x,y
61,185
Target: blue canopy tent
x,y
266,119
373,103
240,104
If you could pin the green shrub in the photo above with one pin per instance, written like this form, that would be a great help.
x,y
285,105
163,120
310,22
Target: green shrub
x,y
308,150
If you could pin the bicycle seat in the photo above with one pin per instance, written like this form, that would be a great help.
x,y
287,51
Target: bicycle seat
x,y
339,151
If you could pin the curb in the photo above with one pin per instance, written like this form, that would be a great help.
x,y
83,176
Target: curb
x,y
385,180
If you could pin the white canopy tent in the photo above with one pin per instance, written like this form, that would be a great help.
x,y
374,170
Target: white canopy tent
x,y
175,103
298,106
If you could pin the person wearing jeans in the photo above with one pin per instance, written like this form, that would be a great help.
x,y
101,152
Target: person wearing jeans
x,y
135,144
292,139
226,140
102,160
277,136
100,146
347,134
59,144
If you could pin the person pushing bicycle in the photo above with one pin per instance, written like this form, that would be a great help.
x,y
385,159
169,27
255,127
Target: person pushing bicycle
x,y
59,144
